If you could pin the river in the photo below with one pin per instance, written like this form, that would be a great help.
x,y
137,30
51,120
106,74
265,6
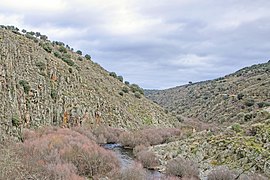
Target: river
x,y
126,159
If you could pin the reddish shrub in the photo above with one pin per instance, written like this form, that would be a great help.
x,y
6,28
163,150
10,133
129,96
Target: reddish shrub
x,y
107,134
134,172
182,168
138,149
148,159
149,136
60,147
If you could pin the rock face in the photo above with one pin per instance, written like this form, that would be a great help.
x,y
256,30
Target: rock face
x,y
42,84
235,97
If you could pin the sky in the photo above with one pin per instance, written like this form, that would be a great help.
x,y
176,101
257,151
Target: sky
x,y
156,44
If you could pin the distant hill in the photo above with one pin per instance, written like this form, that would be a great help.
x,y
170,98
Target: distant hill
x,y
47,83
238,97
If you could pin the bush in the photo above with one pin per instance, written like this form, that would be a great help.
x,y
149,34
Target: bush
x,y
80,58
236,127
121,93
53,94
120,78
15,121
88,57
47,47
125,89
126,82
134,172
57,54
68,61
108,134
148,159
240,96
137,95
25,85
79,52
41,65
62,49
52,147
182,168
136,88
249,102
113,74
221,173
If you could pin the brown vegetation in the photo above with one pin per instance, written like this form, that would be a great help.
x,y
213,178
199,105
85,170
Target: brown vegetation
x,y
54,153
183,168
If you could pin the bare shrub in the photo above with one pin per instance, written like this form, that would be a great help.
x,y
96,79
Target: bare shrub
x,y
67,150
148,159
182,168
134,172
148,136
107,134
138,149
221,173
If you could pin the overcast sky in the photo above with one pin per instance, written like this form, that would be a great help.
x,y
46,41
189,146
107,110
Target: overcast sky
x,y
154,43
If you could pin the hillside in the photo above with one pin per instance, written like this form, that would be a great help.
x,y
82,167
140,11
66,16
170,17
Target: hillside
x,y
46,83
238,97
235,113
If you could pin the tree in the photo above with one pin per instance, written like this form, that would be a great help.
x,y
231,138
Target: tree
x,y
87,56
79,52
44,37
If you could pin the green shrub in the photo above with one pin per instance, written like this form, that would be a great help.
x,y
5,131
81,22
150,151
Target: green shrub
x,y
88,57
80,58
53,94
263,104
15,121
44,37
125,89
79,52
41,65
249,102
126,82
68,61
137,95
113,74
240,96
57,54
25,85
236,127
136,88
47,47
62,49
120,78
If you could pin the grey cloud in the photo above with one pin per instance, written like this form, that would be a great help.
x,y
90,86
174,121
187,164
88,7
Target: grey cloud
x,y
223,36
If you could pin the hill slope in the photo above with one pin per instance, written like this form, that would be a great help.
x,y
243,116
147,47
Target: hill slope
x,y
44,83
238,97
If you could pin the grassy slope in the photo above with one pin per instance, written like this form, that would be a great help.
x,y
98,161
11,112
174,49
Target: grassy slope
x,y
217,100
61,94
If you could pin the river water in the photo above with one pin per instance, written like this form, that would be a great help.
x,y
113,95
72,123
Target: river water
x,y
126,159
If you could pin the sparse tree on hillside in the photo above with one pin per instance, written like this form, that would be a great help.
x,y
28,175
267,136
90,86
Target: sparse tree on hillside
x,y
79,52
87,56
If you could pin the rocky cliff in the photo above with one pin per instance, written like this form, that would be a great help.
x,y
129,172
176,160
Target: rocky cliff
x,y
45,83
